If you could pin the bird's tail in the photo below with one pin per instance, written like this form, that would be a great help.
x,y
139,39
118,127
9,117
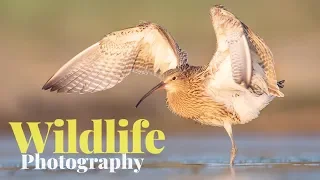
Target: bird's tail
x,y
281,83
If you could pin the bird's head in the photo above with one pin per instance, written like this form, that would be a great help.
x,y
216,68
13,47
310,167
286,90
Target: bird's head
x,y
222,19
173,80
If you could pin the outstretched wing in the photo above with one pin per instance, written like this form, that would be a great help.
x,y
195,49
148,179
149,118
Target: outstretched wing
x,y
237,42
231,42
145,49
264,59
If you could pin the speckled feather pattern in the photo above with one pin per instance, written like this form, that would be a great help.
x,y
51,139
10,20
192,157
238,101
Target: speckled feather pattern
x,y
265,60
192,102
145,49
148,48
233,88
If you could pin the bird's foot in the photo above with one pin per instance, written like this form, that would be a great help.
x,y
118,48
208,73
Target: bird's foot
x,y
233,154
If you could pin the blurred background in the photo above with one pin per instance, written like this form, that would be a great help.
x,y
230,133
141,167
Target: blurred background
x,y
39,36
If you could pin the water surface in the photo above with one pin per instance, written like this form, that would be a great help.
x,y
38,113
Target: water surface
x,y
197,157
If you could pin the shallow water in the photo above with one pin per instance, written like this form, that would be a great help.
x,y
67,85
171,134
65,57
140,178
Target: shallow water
x,y
197,157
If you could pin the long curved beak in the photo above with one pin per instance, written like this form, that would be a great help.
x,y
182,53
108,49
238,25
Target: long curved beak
x,y
157,87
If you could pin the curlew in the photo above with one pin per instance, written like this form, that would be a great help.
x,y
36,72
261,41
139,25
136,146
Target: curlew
x,y
238,82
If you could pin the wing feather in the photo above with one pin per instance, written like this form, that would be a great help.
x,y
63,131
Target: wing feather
x,y
265,60
145,49
241,63
245,48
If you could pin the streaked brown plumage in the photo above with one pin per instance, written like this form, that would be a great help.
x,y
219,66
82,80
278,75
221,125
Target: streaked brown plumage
x,y
233,88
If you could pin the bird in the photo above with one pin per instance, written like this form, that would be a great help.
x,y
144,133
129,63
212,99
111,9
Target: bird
x,y
232,88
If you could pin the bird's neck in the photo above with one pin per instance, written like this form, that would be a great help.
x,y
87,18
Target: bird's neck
x,y
178,103
184,102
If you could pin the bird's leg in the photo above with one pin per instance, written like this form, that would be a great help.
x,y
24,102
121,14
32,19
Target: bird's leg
x,y
234,150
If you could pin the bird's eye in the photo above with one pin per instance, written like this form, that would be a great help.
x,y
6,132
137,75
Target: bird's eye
x,y
174,78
